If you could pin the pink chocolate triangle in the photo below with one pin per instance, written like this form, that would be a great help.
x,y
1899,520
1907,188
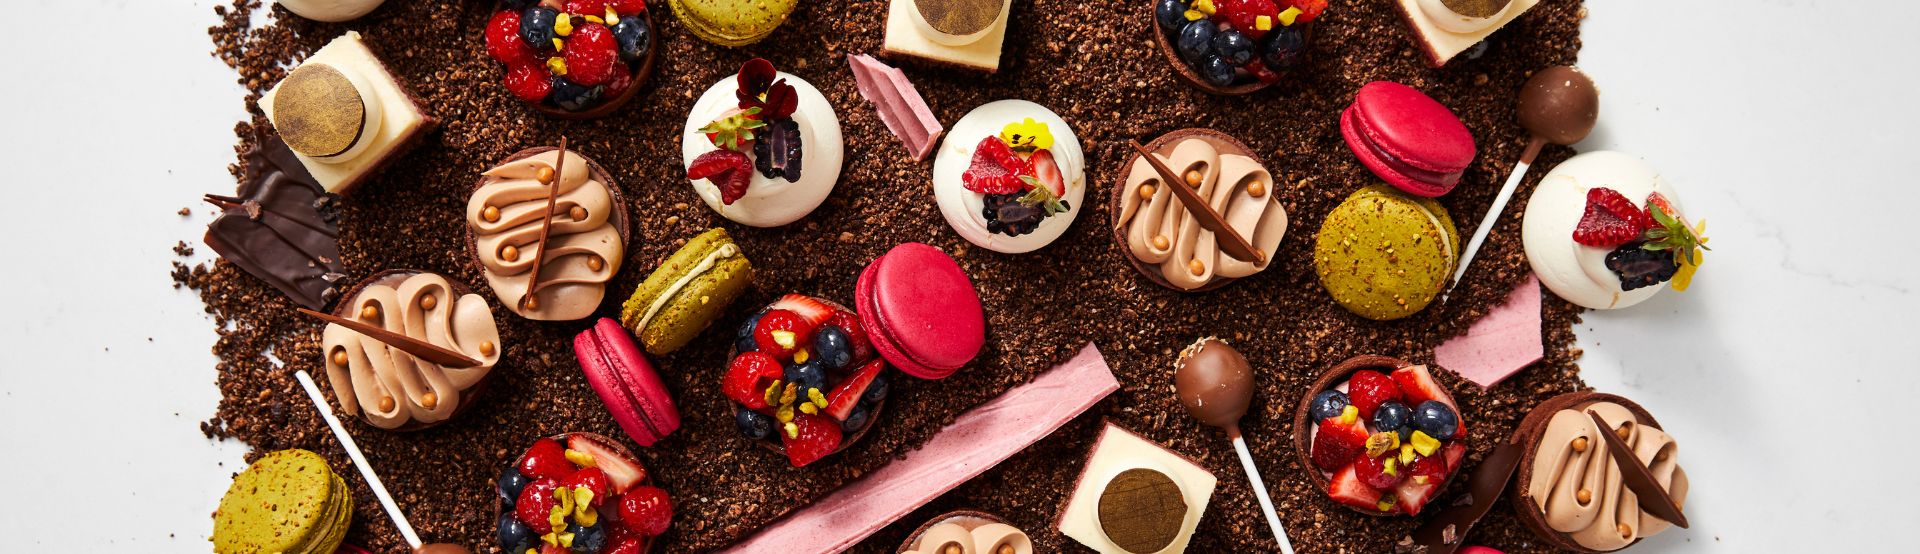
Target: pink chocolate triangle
x,y
1501,344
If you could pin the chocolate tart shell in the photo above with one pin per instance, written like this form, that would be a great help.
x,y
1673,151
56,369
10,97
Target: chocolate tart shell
x,y
1192,77
1528,435
621,224
1303,424
500,504
395,276
640,75
772,442
907,546
1221,141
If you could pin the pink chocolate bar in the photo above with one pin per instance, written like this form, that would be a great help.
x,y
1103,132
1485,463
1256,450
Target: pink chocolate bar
x,y
899,104
1501,344
977,440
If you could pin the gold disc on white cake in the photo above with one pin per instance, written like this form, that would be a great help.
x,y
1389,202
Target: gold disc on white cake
x,y
325,113
956,22
1464,16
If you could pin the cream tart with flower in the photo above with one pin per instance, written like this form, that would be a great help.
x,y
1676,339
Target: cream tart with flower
x,y
1605,230
1010,176
763,148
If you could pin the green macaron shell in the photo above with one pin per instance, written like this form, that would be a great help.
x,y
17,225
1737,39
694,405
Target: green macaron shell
x,y
289,501
696,305
1384,254
732,22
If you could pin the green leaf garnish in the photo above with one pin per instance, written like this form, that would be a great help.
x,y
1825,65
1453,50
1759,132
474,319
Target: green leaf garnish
x,y
1041,196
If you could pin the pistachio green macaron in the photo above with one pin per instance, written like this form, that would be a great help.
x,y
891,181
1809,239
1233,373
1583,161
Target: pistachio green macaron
x,y
289,501
1384,254
687,292
732,22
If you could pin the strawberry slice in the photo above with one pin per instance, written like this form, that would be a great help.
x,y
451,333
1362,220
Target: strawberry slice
x,y
1415,496
1452,455
1611,220
1417,385
1048,172
624,472
845,397
814,438
1340,440
995,169
729,170
1346,488
808,308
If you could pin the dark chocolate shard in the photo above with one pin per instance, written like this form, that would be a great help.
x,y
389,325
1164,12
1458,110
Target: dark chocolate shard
x,y
280,227
1444,533
1654,498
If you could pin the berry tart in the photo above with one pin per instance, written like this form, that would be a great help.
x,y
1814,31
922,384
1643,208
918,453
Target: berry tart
x,y
580,493
763,148
804,379
1380,435
1604,230
1010,176
1165,241
577,59
1234,47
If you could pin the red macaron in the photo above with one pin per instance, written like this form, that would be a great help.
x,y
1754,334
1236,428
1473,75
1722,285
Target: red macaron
x,y
626,382
1407,138
920,311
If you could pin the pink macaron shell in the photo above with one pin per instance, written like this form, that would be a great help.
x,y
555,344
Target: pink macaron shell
x,y
1479,550
920,311
626,382
1407,138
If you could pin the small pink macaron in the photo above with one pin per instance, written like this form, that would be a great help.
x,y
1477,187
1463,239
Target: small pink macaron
x,y
626,382
1478,550
921,311
1407,138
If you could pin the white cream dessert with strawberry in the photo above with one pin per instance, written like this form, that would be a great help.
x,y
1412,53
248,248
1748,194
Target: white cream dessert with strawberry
x,y
1010,177
1594,238
767,156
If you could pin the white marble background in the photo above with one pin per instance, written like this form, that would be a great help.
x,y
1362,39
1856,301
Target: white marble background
x,y
1788,124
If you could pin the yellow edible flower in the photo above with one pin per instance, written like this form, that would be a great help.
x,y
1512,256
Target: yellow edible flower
x,y
1027,135
1689,264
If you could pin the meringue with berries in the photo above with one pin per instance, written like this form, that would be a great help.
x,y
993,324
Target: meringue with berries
x,y
1010,177
763,148
1605,230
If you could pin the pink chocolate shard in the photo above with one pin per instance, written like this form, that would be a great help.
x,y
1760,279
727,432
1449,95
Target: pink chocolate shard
x,y
899,104
977,440
1501,344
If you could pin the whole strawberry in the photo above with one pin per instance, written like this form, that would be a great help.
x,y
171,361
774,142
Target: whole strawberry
x,y
591,55
1368,389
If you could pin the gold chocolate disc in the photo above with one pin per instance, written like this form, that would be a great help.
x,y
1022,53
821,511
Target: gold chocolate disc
x,y
1476,8
1142,510
319,111
959,17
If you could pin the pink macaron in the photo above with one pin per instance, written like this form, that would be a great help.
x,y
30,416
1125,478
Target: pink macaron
x,y
626,382
920,311
1407,138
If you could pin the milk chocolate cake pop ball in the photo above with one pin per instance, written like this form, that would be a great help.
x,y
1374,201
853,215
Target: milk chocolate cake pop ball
x,y
1559,104
1214,381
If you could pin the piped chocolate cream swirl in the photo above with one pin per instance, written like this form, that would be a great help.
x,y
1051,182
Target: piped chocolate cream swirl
x,y
1159,231
583,249
392,389
1576,483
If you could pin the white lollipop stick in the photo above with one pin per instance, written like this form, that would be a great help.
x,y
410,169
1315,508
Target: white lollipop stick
x,y
1493,212
1260,491
359,460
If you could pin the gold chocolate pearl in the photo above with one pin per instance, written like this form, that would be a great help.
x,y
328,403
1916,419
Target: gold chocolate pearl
x,y
594,263
386,403
1160,242
578,213
1626,530
1196,267
509,253
1580,444
429,400
531,303
491,214
1624,431
370,311
1004,549
1146,192
1584,496
1256,189
950,548
544,174
486,348
427,302
339,356
1193,177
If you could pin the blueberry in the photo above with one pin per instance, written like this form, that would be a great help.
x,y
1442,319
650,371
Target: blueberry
x,y
1329,403
634,37
833,347
588,540
573,96
511,530
1171,13
855,421
1283,48
754,425
743,339
809,375
876,391
536,27
1435,419
1233,47
1392,415
510,484
1195,40
1217,71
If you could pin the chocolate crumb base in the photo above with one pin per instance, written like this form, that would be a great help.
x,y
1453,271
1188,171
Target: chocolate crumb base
x,y
1090,61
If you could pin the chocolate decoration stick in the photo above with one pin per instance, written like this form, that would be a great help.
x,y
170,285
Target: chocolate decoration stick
x,y
546,225
419,348
359,459
1559,105
1231,242
1445,532
1653,497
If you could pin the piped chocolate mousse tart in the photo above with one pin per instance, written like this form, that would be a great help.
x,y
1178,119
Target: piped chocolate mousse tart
x,y
1570,488
566,258
1166,241
386,380
1379,435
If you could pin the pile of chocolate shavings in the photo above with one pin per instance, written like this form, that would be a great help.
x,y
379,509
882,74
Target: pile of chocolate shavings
x,y
1092,62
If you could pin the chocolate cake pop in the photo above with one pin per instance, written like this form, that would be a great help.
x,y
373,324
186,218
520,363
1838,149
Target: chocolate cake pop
x,y
1215,384
1558,104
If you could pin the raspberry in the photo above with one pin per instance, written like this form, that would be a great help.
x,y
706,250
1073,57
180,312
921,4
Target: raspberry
x,y
1309,9
780,332
1260,71
591,55
627,7
816,436
529,82
748,377
646,510
1611,220
729,170
547,459
503,40
995,169
592,479
1369,389
596,8
535,504
1426,470
1244,16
